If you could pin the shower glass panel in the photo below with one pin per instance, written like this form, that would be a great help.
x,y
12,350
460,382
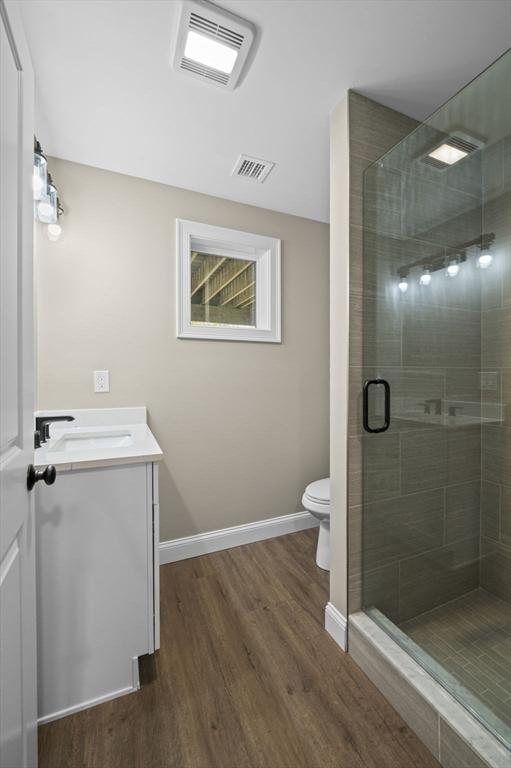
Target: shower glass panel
x,y
437,346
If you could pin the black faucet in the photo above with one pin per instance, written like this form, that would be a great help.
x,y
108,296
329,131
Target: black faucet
x,y
42,425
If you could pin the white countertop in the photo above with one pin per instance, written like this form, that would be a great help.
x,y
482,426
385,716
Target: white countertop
x,y
98,437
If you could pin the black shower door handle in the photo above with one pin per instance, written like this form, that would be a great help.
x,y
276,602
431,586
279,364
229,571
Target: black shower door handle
x,y
365,411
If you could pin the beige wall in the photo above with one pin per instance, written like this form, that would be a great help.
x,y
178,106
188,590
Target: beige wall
x,y
339,365
244,426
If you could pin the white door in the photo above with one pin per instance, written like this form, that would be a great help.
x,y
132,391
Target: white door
x,y
18,701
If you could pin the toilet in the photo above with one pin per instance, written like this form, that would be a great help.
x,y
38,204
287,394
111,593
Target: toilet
x,y
316,500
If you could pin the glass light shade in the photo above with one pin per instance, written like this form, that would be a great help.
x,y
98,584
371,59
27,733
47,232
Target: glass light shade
x,y
210,53
40,175
47,211
403,285
54,231
453,269
425,278
485,259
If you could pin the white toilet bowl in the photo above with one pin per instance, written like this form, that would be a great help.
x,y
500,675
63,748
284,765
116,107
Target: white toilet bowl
x,y
316,500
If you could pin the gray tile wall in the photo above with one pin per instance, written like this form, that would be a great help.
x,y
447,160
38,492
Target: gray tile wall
x,y
374,129
495,572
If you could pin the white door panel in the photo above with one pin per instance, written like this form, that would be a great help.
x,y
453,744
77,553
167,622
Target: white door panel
x,y
10,127
18,703
11,696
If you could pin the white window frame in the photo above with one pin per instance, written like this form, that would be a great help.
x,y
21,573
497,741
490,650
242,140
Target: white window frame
x,y
265,251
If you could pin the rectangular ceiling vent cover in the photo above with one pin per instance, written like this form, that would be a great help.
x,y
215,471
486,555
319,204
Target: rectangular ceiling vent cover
x,y
212,44
252,168
455,147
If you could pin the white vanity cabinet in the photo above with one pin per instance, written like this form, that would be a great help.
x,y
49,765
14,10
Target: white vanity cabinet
x,y
97,576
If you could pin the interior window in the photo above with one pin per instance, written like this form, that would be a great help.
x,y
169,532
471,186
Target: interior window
x,y
223,290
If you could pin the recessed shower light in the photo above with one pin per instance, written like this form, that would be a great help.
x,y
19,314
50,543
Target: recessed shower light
x,y
447,154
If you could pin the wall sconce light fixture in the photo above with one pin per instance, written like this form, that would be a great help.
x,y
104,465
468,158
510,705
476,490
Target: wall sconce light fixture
x,y
451,261
453,268
40,172
47,207
403,282
485,258
54,231
425,278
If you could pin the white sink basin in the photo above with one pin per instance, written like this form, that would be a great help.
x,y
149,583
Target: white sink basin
x,y
91,441
98,437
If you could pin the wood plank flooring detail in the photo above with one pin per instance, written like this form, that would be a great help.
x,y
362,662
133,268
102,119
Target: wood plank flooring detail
x,y
247,678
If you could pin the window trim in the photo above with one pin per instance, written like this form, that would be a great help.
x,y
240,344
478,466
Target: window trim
x,y
265,251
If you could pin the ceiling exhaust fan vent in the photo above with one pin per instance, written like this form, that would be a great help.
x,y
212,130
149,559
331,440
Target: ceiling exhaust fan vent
x,y
204,72
252,168
460,142
208,27
212,44
455,147
434,163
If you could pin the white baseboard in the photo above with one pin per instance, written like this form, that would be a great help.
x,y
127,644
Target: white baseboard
x,y
225,538
85,705
335,625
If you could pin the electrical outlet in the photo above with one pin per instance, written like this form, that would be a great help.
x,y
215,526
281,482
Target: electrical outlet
x,y
101,381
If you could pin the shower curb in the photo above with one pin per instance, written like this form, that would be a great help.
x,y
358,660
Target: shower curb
x,y
446,728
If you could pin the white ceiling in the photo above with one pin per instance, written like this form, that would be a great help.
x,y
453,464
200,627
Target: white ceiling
x,y
108,97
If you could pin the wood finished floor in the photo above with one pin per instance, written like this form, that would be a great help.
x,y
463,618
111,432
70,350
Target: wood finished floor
x,y
247,678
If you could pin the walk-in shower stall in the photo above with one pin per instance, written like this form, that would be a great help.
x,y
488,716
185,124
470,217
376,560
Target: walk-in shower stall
x,y
435,396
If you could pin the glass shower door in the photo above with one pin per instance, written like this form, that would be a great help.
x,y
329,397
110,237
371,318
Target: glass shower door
x,y
435,383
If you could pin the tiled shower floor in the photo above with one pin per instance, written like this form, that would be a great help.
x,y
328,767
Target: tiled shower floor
x,y
471,638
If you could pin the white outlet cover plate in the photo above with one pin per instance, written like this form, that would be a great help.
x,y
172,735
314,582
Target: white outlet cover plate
x,y
101,381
